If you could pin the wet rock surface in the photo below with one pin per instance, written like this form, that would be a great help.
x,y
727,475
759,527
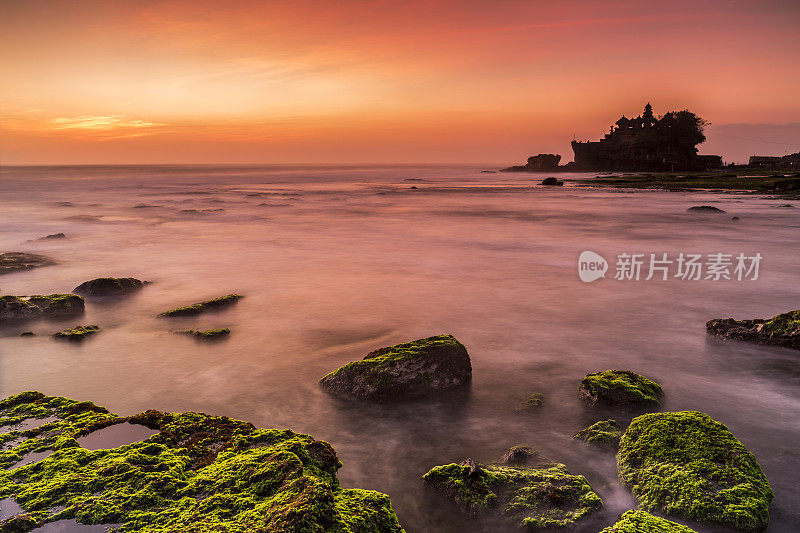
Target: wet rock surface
x,y
416,368
687,464
780,330
704,209
21,308
196,472
78,333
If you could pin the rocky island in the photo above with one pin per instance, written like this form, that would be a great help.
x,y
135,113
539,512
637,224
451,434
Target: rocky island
x,y
780,330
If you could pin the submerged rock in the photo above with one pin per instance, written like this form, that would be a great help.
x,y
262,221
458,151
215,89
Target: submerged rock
x,y
198,473
77,333
207,334
14,261
687,464
108,286
531,402
780,330
605,433
643,522
20,308
552,181
619,388
519,454
546,495
704,209
202,307
52,236
415,368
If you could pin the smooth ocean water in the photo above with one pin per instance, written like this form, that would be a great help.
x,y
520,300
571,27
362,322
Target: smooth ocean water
x,y
336,261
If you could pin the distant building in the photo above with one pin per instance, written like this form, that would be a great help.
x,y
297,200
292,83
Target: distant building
x,y
648,143
765,161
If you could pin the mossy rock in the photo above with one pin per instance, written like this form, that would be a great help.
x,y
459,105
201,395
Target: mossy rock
x,y
200,473
16,261
687,464
202,307
780,330
109,287
619,388
530,403
605,433
207,334
77,333
21,308
539,496
58,304
416,368
643,522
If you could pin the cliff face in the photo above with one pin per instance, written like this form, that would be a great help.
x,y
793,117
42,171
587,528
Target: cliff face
x,y
537,163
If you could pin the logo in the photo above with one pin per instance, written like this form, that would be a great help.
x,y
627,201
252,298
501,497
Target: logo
x,y
591,266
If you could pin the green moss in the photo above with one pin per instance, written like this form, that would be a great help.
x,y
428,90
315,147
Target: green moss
x,y
642,522
201,307
783,324
77,333
619,387
542,496
687,464
742,180
109,286
604,433
207,334
199,473
531,402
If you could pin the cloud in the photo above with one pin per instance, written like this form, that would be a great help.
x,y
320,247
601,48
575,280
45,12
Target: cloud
x,y
101,122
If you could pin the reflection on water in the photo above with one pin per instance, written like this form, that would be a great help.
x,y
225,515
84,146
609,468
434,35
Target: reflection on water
x,y
355,259
115,436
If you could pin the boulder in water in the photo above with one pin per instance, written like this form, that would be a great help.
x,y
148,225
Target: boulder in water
x,y
416,368
619,388
15,261
108,286
687,464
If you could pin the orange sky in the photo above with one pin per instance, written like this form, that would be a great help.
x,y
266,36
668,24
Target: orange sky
x,y
384,81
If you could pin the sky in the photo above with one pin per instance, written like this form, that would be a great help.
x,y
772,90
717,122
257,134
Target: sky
x,y
384,81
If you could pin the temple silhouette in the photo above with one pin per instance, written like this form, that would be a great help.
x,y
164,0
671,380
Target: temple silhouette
x,y
648,143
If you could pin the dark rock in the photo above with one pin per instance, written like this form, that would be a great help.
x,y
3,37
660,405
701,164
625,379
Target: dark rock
x,y
27,334
14,261
705,209
415,368
53,236
518,455
619,388
687,464
207,334
552,181
474,469
537,163
780,330
734,218
16,308
784,206
108,286
413,187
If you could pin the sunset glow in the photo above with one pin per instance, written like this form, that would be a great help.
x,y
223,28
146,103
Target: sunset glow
x,y
355,81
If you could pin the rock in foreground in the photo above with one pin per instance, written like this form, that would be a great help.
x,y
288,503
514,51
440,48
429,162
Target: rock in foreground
x,y
687,464
619,388
642,522
605,433
14,261
781,330
207,334
199,473
704,209
539,496
202,307
108,286
416,368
